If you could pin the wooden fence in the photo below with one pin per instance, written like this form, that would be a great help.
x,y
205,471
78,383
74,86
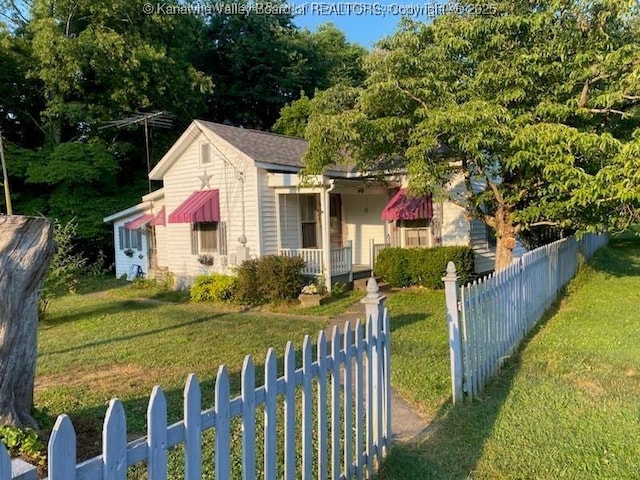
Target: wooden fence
x,y
489,318
342,430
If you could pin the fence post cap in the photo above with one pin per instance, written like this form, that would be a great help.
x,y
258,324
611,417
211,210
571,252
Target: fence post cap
x,y
373,292
451,273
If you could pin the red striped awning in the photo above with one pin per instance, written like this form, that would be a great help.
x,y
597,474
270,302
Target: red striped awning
x,y
136,223
403,207
203,206
160,218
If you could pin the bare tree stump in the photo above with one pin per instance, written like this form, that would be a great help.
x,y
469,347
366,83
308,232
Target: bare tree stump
x,y
26,249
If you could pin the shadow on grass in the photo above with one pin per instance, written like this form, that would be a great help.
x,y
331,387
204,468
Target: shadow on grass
x,y
88,421
124,338
452,445
109,309
620,259
397,322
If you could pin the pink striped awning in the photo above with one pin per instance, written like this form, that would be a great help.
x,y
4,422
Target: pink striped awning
x,y
403,207
160,218
203,206
136,223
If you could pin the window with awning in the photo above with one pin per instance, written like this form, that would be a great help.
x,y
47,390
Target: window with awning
x,y
202,206
138,222
403,207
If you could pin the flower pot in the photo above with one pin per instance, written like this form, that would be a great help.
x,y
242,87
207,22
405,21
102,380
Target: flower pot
x,y
309,300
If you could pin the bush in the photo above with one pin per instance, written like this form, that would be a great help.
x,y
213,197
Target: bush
x,y
392,266
216,287
270,279
402,267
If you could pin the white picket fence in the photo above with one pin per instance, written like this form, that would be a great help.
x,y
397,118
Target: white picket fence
x,y
349,381
489,318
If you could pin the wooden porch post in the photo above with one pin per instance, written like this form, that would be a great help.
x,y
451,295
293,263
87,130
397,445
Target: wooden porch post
x,y
326,238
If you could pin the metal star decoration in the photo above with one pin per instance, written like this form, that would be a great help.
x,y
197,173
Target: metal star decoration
x,y
204,178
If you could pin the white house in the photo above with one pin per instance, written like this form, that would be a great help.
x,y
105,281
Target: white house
x,y
232,193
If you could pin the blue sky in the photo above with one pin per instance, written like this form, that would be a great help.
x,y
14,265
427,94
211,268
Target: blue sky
x,y
363,22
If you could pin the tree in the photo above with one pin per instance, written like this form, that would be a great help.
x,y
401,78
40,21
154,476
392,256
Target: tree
x,y
26,247
538,104
332,61
72,65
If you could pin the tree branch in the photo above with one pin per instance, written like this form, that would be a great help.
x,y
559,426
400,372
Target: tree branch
x,y
411,95
631,97
607,110
584,95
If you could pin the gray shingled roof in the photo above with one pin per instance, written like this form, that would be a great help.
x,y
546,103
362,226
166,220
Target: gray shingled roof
x,y
265,147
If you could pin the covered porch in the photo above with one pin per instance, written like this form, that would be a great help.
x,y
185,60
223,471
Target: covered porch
x,y
331,224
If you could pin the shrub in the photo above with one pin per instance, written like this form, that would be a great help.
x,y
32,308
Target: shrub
x,y
216,287
392,266
270,279
402,267
428,266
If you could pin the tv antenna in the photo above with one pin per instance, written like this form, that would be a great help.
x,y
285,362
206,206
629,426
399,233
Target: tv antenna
x,y
157,119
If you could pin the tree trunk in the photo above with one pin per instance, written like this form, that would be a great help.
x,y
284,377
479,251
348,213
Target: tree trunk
x,y
506,238
26,248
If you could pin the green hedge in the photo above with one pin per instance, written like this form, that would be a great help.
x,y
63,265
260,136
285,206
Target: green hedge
x,y
270,279
404,267
216,287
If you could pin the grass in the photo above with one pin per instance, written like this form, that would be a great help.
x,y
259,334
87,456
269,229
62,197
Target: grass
x,y
565,407
96,346
329,307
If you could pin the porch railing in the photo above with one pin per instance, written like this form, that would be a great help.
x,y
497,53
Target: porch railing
x,y
341,259
374,250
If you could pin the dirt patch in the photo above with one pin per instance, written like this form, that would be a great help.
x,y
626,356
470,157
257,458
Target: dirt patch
x,y
112,378
590,387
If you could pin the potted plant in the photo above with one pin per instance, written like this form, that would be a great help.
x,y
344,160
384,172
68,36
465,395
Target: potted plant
x,y
128,252
206,260
310,295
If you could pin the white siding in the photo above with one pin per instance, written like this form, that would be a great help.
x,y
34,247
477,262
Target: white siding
x,y
362,222
267,207
290,221
123,262
181,180
484,255
455,226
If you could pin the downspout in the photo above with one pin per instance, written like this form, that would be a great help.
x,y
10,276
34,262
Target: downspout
x,y
326,238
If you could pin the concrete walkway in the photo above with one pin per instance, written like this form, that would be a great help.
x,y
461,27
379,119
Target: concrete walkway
x,y
407,425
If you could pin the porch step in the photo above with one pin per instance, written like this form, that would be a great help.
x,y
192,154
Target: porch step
x,y
361,284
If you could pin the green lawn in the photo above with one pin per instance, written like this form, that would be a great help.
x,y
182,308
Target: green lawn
x,y
566,407
96,346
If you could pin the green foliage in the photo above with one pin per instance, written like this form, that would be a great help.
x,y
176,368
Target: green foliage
x,y
392,266
539,102
403,267
216,287
67,266
25,443
271,278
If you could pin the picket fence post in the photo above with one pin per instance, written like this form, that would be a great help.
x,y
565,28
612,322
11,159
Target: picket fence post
x,y
374,313
455,342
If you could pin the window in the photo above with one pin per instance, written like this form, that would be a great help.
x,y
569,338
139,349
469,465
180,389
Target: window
x,y
208,236
309,221
204,237
205,154
417,233
130,238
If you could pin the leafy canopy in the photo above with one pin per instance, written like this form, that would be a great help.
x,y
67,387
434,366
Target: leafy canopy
x,y
539,104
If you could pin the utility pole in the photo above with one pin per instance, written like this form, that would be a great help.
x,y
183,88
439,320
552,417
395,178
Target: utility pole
x,y
5,179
